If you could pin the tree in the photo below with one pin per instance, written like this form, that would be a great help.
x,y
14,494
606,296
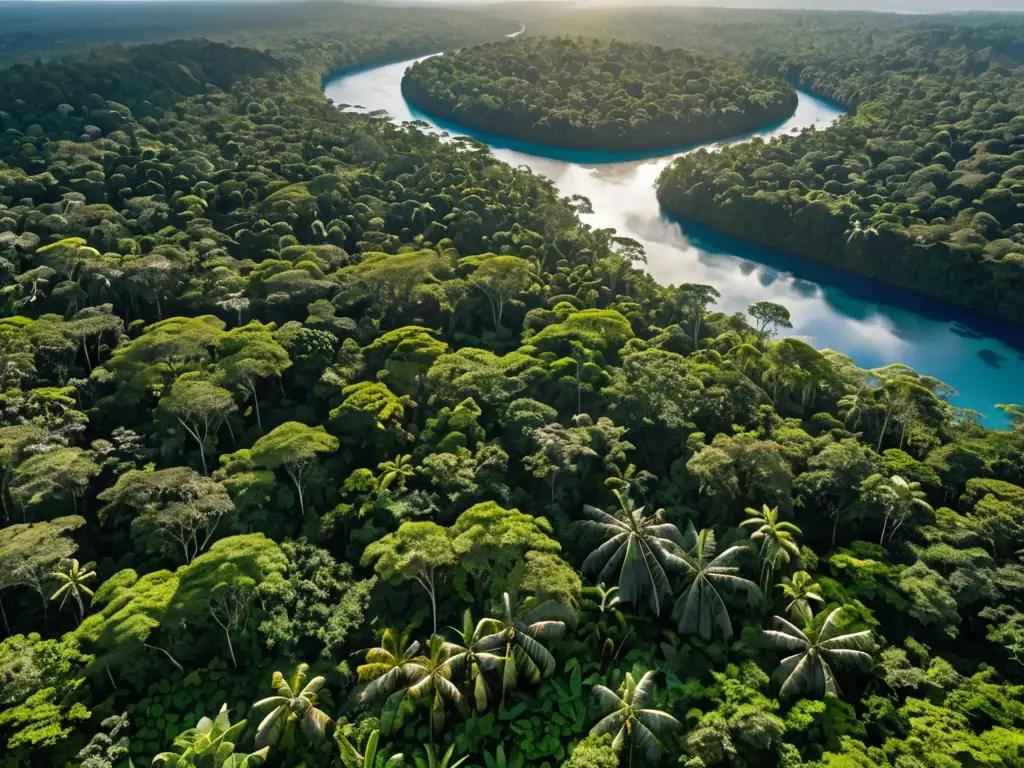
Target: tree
x,y
631,718
900,497
499,278
697,297
700,608
776,537
29,553
229,605
429,678
57,474
522,636
816,650
249,354
799,589
201,407
490,541
469,661
294,704
415,551
294,447
105,750
213,743
561,449
183,519
73,579
386,667
395,472
317,605
768,313
640,547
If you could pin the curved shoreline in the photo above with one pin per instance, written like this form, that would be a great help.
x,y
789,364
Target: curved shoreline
x,y
439,112
586,156
872,322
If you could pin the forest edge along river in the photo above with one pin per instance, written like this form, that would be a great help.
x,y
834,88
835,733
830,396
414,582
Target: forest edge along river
x,y
982,358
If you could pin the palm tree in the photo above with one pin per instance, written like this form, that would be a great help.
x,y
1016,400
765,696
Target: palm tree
x,y
395,472
776,537
815,652
430,676
901,498
631,719
470,661
387,666
700,608
73,586
625,480
799,589
856,407
639,547
745,355
522,638
294,703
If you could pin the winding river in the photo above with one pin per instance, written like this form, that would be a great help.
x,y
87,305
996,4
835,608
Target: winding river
x,y
983,359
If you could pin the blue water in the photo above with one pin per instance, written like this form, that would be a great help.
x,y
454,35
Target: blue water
x,y
983,359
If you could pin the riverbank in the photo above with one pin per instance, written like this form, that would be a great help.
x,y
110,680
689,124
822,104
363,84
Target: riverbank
x,y
829,309
822,232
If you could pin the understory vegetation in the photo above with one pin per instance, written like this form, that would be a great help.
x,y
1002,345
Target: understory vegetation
x,y
326,442
582,93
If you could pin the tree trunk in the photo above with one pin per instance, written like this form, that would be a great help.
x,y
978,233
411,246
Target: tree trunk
x,y
166,653
231,648
885,424
427,582
579,400
256,404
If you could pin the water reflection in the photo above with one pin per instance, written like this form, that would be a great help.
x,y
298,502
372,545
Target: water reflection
x,y
875,325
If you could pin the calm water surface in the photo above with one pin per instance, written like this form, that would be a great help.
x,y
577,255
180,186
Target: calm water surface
x,y
875,325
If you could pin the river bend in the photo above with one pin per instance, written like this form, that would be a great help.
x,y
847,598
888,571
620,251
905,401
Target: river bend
x,y
982,358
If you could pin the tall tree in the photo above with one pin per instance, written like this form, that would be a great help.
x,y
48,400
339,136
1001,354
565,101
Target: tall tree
x,y
632,719
293,704
500,278
294,447
522,635
816,649
248,355
697,297
72,578
776,537
417,550
639,547
700,608
201,407
899,497
470,661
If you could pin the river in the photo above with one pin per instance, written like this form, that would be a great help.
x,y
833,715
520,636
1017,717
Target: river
x,y
982,358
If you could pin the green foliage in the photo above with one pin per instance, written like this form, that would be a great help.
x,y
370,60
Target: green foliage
x,y
385,347
642,97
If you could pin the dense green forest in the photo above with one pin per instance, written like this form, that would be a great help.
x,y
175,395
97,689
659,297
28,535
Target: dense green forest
x,y
582,93
920,188
325,441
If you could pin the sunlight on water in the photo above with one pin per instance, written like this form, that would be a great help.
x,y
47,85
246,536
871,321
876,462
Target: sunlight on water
x,y
875,325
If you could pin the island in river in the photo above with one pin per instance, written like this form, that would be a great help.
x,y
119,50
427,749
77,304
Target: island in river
x,y
578,93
